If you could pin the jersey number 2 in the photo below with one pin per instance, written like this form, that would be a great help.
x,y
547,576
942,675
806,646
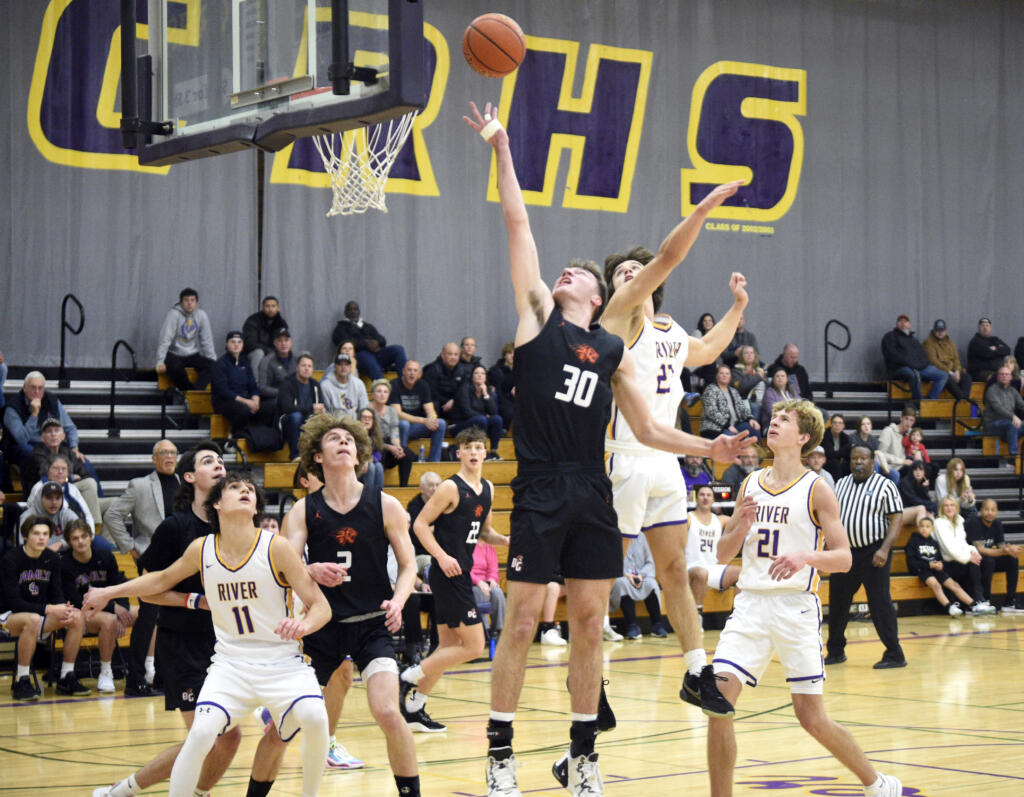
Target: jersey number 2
x,y
345,560
579,386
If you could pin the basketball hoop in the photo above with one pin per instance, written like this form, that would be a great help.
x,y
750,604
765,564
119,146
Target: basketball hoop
x,y
358,162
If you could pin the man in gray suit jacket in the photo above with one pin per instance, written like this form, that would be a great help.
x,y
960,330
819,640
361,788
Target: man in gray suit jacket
x,y
145,502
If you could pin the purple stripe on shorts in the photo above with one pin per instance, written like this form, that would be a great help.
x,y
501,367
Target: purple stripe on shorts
x,y
290,707
682,522
227,724
819,677
751,680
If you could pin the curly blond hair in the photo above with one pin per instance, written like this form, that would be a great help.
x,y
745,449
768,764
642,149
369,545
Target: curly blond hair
x,y
313,431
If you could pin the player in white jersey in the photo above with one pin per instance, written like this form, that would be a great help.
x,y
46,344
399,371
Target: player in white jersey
x,y
247,573
789,530
703,533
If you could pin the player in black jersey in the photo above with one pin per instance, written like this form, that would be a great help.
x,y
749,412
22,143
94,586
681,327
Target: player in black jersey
x,y
460,513
567,372
346,528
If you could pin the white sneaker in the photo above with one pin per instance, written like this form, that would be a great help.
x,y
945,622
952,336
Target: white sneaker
x,y
501,778
105,683
1011,610
340,758
954,609
102,792
610,634
552,637
584,776
983,607
888,786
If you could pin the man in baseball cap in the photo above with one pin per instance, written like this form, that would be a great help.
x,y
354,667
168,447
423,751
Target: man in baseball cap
x,y
943,354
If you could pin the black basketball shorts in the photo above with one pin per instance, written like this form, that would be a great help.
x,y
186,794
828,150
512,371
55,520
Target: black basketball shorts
x,y
364,641
184,659
454,603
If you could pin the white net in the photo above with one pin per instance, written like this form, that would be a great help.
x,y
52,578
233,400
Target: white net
x,y
358,162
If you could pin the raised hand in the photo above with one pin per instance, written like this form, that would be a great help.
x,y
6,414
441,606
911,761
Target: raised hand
x,y
480,121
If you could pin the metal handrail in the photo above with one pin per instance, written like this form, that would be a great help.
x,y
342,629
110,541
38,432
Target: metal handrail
x,y
829,344
112,430
167,395
955,421
62,379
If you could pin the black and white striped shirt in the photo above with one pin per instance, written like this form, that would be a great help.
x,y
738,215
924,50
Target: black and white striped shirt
x,y
864,508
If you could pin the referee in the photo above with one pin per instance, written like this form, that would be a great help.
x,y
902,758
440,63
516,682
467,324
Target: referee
x,y
871,510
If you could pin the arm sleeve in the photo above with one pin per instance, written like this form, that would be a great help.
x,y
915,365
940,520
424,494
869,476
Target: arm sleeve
x,y
892,503
12,595
219,382
14,425
166,335
370,331
115,516
251,333
67,579
205,336
115,576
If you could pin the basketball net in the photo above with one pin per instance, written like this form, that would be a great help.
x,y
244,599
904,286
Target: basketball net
x,y
358,162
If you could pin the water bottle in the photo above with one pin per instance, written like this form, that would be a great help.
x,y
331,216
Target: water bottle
x,y
423,453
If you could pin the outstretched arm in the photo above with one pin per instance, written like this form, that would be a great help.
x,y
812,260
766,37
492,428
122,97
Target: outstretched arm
x,y
704,351
533,297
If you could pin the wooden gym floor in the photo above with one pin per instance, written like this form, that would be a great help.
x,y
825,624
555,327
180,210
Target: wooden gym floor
x,y
952,723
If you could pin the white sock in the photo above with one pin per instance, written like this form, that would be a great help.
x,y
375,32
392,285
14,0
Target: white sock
x,y
502,716
23,671
197,792
413,675
696,659
66,667
607,621
106,669
414,701
332,741
150,664
125,788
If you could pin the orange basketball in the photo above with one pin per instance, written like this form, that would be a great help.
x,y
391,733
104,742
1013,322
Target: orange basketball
x,y
494,45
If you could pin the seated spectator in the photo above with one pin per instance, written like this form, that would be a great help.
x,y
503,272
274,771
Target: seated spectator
x,y
34,607
1015,378
778,389
394,453
913,445
503,379
816,463
985,532
705,374
702,536
1018,355
54,511
695,473
186,341
915,487
924,560
372,350
942,353
467,352
372,474
955,482
549,631
429,482
444,375
82,474
890,442
724,411
298,397
637,583
343,393
26,412
747,461
260,330
742,337
57,469
985,352
349,348
960,559
799,381
748,379
476,405
906,361
411,398
1003,410
487,586
88,566
233,389
837,445
863,436
278,364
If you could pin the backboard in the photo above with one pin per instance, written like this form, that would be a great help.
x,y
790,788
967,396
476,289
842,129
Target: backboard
x,y
229,75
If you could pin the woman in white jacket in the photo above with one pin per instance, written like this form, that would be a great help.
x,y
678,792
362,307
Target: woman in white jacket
x,y
960,559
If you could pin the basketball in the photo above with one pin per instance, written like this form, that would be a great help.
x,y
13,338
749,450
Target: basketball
x,y
494,45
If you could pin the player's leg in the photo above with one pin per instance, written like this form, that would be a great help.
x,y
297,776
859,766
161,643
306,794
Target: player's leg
x,y
207,725
722,741
455,646
698,577
219,758
311,715
382,696
523,608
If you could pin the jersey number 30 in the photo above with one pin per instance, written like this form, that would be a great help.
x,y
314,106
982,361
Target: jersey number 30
x,y
579,386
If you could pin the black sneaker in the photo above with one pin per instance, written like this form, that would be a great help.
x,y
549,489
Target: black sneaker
x,y
70,685
24,689
702,690
560,769
140,689
605,715
421,721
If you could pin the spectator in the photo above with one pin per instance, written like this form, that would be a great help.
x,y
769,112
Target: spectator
x,y
467,352
942,353
372,350
706,373
411,398
144,504
299,396
476,405
799,382
85,567
724,411
985,352
748,379
373,473
1018,355
54,510
270,523
985,532
444,375
503,379
702,536
906,361
913,445
871,511
28,409
778,389
954,481
637,583
816,462
863,436
276,367
349,348
694,474
960,559
429,482
837,445
394,453
890,442
914,487
57,469
343,393
487,587
186,341
233,388
1015,378
747,461
742,337
34,607
1004,409
260,331
924,560
82,475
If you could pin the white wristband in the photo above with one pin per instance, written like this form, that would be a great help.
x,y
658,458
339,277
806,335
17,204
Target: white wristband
x,y
192,601
489,129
